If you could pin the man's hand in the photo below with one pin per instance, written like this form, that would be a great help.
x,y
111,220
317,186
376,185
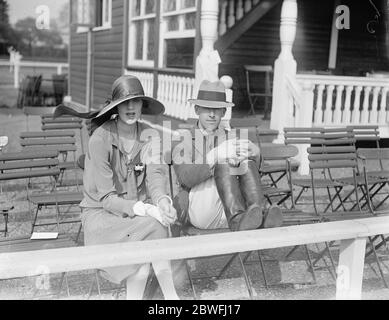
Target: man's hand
x,y
247,149
224,151
169,214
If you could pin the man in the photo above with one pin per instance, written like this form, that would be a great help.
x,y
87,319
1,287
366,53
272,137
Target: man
x,y
220,185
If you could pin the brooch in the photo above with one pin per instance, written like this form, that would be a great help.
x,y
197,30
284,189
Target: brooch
x,y
139,168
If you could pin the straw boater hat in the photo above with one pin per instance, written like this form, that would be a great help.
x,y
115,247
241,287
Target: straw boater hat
x,y
124,88
212,95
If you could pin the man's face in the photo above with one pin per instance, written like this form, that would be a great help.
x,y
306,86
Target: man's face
x,y
210,118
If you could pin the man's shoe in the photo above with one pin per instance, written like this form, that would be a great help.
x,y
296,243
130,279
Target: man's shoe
x,y
273,217
251,219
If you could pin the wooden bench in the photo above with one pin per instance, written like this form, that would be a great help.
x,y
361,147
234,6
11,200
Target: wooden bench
x,y
38,164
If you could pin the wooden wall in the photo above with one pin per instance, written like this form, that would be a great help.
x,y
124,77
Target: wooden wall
x,y
107,59
358,49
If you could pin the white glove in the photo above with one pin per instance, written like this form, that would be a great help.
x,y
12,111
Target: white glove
x,y
139,209
144,209
154,212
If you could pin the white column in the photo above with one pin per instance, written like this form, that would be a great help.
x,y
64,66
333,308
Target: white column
x,y
284,65
228,82
304,119
207,63
350,269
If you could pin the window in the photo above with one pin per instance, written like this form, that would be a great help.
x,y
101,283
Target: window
x,y
143,14
178,33
103,14
96,12
83,14
177,21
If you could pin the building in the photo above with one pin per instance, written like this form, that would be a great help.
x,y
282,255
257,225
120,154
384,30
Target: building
x,y
330,58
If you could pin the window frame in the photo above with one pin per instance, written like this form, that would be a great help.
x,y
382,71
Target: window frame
x,y
160,57
84,10
106,20
145,17
176,34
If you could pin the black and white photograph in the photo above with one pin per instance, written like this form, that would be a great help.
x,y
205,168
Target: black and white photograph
x,y
212,152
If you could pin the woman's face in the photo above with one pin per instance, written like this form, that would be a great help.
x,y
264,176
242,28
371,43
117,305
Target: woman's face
x,y
130,111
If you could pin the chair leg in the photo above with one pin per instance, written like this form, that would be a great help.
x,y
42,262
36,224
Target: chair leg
x,y
291,252
79,232
227,265
35,218
5,215
332,262
262,269
310,263
246,278
378,262
190,279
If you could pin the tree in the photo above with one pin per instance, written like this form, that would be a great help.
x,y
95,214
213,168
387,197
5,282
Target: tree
x,y
4,7
8,37
31,37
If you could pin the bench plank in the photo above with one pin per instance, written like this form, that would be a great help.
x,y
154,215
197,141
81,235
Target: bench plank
x,y
45,134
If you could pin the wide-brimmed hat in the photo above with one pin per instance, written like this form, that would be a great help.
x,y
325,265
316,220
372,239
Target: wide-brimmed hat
x,y
212,95
123,89
127,88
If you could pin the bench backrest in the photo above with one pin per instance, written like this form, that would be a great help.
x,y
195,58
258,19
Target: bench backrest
x,y
25,165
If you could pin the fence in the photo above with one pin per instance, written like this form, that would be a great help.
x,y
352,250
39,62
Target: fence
x,y
351,233
17,65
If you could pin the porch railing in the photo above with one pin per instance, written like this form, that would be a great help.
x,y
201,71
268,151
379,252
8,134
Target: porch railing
x,y
174,92
231,11
332,101
338,100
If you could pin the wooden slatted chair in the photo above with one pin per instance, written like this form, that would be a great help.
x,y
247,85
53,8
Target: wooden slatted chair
x,y
377,179
341,159
30,166
63,123
292,216
320,137
62,141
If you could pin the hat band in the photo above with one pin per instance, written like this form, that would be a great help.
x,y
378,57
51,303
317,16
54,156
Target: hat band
x,y
211,96
130,95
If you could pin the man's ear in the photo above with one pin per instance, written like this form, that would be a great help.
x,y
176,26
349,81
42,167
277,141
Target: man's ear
x,y
224,112
197,110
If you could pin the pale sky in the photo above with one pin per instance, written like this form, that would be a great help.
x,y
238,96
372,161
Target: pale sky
x,y
19,9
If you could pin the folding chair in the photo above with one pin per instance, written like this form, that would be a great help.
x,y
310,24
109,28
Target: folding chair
x,y
31,166
341,158
63,123
283,155
319,137
274,163
274,158
255,95
374,178
26,244
62,141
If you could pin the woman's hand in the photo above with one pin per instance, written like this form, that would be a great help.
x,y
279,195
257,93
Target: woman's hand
x,y
169,214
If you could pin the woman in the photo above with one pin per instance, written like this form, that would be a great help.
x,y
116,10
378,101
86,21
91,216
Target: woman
x,y
116,188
